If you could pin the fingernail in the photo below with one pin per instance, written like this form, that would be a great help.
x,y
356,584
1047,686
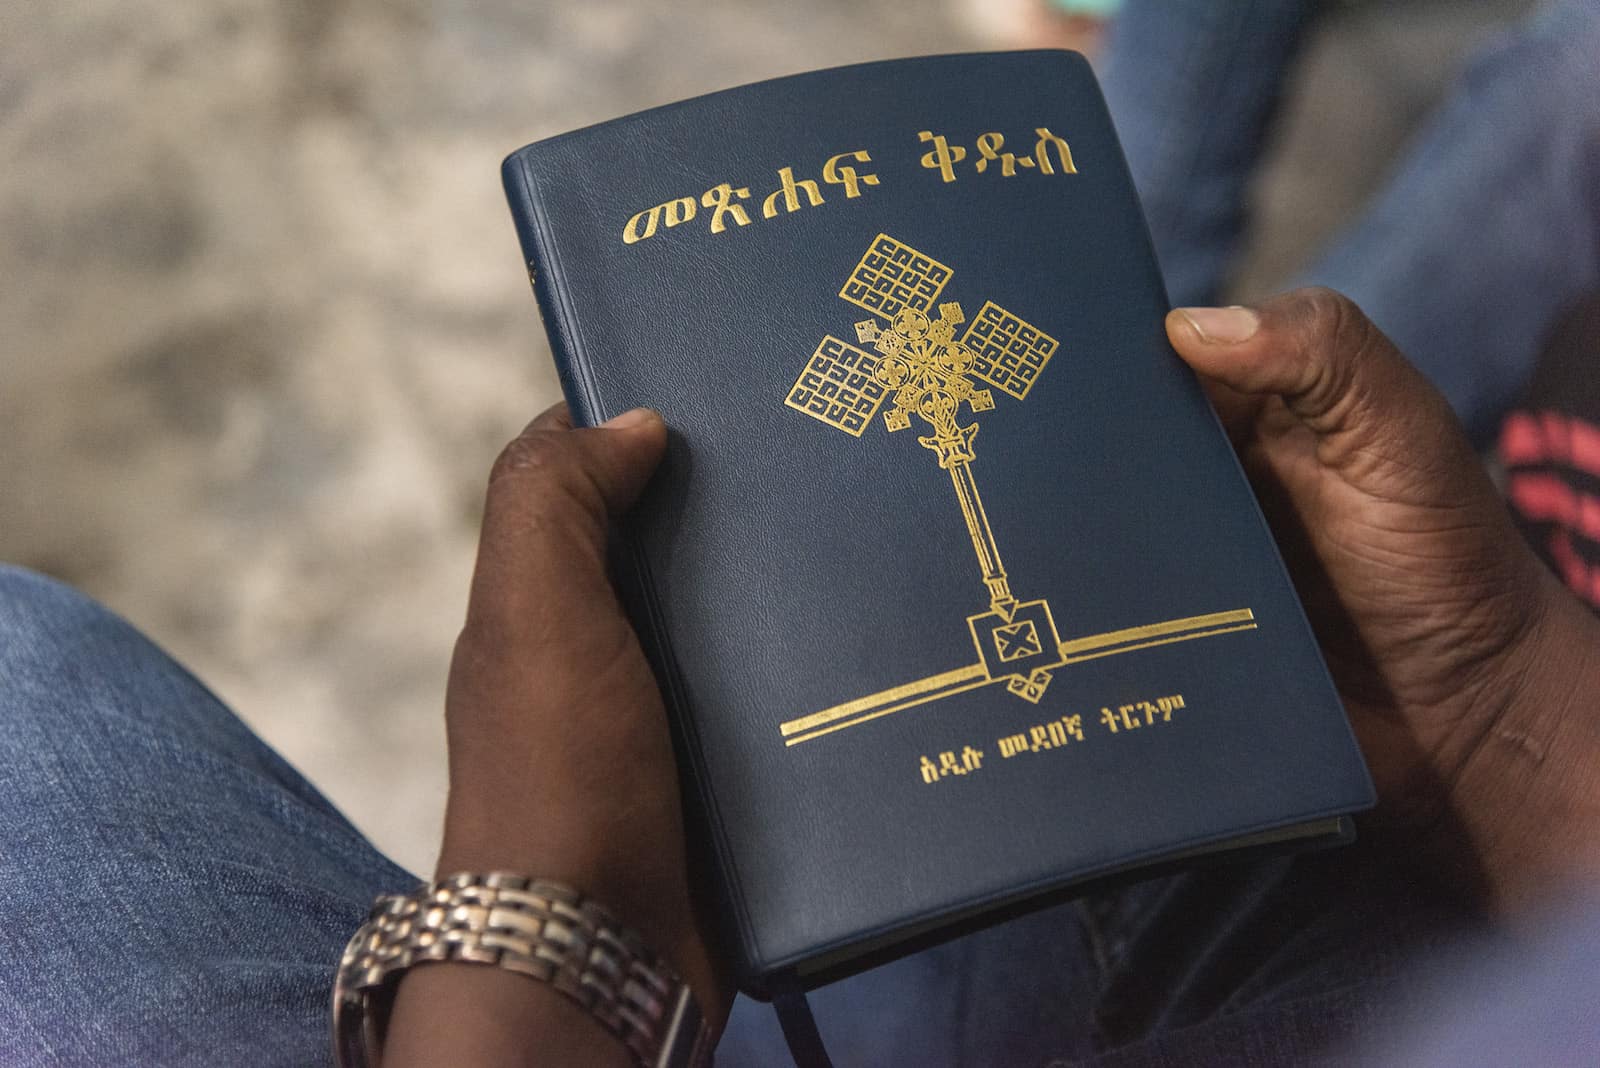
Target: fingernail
x,y
1225,325
634,417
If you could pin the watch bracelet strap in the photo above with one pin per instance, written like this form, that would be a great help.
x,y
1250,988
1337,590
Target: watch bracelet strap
x,y
541,929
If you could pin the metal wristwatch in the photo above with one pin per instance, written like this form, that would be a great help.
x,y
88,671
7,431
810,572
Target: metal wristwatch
x,y
540,929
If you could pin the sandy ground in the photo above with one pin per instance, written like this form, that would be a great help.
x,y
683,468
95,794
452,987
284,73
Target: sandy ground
x,y
263,324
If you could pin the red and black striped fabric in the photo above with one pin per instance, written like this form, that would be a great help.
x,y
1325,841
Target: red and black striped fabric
x,y
1550,447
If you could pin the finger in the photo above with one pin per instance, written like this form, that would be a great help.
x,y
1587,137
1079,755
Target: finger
x,y
600,469
551,495
1333,369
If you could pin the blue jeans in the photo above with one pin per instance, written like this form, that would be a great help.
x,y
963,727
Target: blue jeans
x,y
1489,226
173,893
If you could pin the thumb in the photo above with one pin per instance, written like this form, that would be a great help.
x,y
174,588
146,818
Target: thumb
x,y
1333,369
600,469
551,494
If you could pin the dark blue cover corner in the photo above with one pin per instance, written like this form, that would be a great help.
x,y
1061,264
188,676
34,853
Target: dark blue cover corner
x,y
913,680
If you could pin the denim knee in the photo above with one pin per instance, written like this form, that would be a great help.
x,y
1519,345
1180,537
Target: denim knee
x,y
47,631
68,664
27,595
85,698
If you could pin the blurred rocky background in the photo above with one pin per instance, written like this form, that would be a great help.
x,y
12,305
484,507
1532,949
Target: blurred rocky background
x,y
263,323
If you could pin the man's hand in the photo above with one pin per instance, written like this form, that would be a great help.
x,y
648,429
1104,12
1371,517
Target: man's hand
x,y
561,764
1461,659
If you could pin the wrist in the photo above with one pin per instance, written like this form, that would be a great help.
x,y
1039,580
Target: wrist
x,y
1526,799
644,889
467,1014
530,930
477,839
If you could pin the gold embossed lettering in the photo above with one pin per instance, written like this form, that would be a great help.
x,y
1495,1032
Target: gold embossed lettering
x,y
1041,152
943,157
847,176
950,764
631,232
677,211
1063,732
989,146
719,198
790,191
672,213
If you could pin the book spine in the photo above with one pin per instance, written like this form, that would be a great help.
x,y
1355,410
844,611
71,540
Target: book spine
x,y
538,256
630,569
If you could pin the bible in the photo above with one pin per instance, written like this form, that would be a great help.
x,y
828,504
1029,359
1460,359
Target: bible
x,y
956,592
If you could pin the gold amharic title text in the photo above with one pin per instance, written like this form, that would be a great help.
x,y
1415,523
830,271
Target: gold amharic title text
x,y
726,207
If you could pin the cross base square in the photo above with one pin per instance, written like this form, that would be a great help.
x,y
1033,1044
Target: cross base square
x,y
1020,646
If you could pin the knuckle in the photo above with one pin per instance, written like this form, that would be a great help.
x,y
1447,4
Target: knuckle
x,y
543,467
1335,320
1339,341
529,454
1330,318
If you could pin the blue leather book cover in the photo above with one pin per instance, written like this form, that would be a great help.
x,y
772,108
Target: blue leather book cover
x,y
953,583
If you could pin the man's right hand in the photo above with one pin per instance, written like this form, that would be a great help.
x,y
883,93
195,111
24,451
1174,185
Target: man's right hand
x,y
1468,670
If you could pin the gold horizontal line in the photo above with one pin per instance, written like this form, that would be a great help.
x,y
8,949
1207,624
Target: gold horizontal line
x,y
934,687
982,680
871,701
1155,630
1158,641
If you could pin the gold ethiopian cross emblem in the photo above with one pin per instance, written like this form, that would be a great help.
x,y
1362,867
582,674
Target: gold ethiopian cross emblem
x,y
923,370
